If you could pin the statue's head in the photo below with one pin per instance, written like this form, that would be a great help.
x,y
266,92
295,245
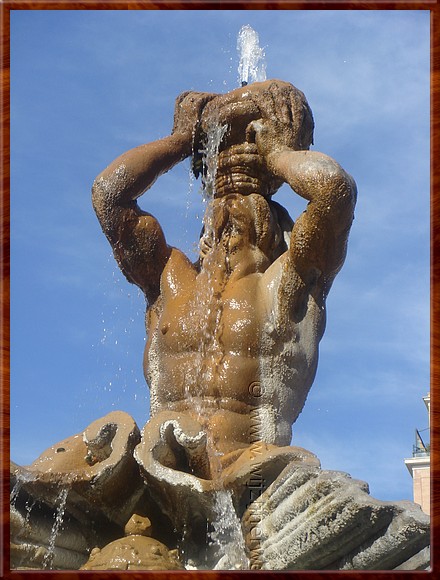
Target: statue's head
x,y
263,100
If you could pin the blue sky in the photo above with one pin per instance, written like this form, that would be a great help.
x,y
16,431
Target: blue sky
x,y
88,85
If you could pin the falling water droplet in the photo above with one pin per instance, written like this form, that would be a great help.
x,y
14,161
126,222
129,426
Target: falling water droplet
x,y
29,507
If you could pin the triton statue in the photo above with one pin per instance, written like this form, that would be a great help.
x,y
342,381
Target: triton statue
x,y
233,338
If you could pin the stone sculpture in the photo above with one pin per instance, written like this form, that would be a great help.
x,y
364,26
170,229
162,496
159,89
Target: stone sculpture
x,y
233,339
231,355
137,551
324,520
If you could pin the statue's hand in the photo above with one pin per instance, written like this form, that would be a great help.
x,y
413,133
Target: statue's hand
x,y
187,112
274,130
270,136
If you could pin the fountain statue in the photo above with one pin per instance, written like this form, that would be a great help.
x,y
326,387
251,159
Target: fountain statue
x,y
212,480
233,339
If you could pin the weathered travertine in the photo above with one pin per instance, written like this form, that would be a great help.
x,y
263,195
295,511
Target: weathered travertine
x,y
183,479
421,561
314,520
99,478
133,553
136,551
296,516
98,468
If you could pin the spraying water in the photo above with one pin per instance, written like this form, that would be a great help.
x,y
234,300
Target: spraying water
x,y
214,137
21,478
61,501
252,64
227,534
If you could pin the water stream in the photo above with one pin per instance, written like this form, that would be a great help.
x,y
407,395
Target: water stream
x,y
208,313
214,136
227,534
15,491
21,478
61,503
225,538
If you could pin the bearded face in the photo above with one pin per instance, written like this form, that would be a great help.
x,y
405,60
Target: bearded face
x,y
240,223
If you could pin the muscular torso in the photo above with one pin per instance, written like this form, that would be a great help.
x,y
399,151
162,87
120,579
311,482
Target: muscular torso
x,y
217,349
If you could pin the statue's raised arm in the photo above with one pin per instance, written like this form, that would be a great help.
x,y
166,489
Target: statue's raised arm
x,y
136,237
318,241
319,237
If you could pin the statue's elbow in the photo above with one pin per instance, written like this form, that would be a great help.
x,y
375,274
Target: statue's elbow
x,y
102,196
96,189
347,190
334,180
353,190
103,202
344,189
97,193
339,193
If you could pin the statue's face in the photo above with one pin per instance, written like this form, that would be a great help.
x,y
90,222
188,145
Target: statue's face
x,y
240,223
231,224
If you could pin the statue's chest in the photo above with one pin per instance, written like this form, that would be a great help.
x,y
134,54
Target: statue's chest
x,y
201,319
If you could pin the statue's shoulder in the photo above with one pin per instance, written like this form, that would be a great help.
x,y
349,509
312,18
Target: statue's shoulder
x,y
178,275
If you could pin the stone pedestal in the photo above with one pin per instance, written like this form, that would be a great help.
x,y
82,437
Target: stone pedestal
x,y
286,512
310,519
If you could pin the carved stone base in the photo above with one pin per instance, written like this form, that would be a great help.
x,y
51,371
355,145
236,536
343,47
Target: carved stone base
x,y
272,507
310,519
